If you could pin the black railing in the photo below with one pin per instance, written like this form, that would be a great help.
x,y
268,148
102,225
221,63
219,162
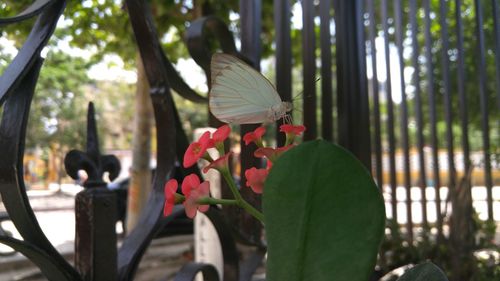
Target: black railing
x,y
427,40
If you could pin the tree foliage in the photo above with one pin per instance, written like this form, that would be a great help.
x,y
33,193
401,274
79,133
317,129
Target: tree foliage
x,y
58,109
103,26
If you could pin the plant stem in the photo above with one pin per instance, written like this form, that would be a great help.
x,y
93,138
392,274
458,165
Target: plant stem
x,y
213,201
240,201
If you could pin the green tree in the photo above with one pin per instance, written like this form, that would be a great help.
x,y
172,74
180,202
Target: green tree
x,y
59,106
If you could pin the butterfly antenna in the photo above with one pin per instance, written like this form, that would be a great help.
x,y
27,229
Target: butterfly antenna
x,y
297,95
301,93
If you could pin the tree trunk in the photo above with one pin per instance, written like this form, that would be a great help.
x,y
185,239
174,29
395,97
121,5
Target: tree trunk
x,y
462,229
140,172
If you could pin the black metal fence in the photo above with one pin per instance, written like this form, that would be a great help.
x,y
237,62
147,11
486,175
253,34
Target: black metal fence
x,y
396,77
435,101
429,83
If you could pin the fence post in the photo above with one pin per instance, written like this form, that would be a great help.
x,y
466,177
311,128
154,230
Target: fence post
x,y
95,241
95,209
352,88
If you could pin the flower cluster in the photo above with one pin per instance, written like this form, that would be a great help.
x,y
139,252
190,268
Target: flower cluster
x,y
256,177
196,194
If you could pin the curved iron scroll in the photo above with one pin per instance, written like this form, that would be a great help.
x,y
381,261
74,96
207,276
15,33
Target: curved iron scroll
x,y
38,256
28,54
197,39
170,136
156,64
32,10
173,144
16,91
189,271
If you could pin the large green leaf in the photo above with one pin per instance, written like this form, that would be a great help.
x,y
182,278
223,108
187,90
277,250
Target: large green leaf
x,y
426,271
324,216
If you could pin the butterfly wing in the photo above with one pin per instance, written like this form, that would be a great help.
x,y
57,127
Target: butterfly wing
x,y
221,61
239,93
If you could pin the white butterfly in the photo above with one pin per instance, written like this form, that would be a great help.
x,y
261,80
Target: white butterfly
x,y
242,95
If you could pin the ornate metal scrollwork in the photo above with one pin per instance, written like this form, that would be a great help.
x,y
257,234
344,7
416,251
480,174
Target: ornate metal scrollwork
x,y
91,161
16,91
189,271
173,144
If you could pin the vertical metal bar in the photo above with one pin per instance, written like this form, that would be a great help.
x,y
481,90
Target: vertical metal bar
x,y
250,16
432,116
462,101
483,99
443,9
309,70
283,55
251,28
377,135
398,16
390,113
352,85
422,180
496,28
326,71
376,102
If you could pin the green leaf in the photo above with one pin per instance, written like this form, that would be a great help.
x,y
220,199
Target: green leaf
x,y
426,271
324,216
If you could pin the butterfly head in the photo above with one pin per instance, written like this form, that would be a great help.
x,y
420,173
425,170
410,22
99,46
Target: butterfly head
x,y
279,111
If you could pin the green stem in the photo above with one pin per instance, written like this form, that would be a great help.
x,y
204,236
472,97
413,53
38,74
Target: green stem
x,y
213,201
179,198
240,201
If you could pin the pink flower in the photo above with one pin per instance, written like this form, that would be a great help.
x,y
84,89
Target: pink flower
x,y
255,179
170,190
193,191
255,136
196,150
220,164
189,183
271,153
291,129
191,204
221,134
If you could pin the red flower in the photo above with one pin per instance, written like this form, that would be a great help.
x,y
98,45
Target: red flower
x,y
221,134
255,179
255,136
170,190
291,129
196,150
191,204
189,183
271,153
219,164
